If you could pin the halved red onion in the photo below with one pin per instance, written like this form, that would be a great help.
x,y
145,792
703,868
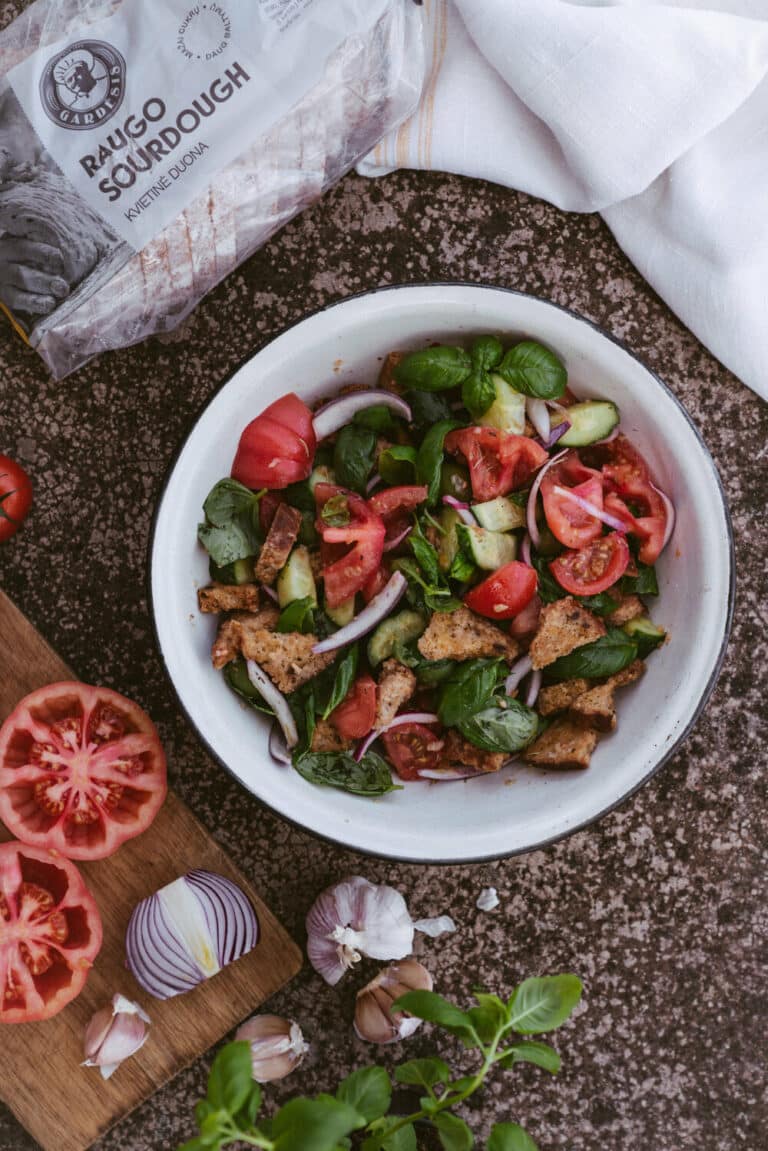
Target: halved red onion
x,y
525,550
591,509
538,413
187,931
337,413
530,510
671,515
534,687
372,614
467,515
398,721
276,701
390,545
277,745
518,672
372,482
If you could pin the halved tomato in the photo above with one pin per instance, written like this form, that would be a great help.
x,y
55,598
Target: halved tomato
x,y
594,568
411,748
81,770
50,933
355,715
343,577
563,485
293,413
633,496
277,447
504,593
15,496
498,462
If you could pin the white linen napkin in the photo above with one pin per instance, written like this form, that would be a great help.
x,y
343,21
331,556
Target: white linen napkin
x,y
652,112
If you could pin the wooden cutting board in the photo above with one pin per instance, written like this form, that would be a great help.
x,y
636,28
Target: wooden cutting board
x,y
66,1106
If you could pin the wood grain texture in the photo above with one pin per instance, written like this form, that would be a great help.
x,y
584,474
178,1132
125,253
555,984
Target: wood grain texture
x,y
66,1106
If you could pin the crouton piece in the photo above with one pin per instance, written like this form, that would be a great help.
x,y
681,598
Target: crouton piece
x,y
630,607
628,674
387,379
461,634
560,696
563,745
276,548
595,708
563,626
397,684
327,738
316,564
286,657
227,645
219,597
460,753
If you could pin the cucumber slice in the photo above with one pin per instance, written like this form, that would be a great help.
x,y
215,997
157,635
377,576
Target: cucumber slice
x,y
400,628
321,475
646,635
449,519
489,550
295,580
590,421
507,411
500,515
239,572
343,614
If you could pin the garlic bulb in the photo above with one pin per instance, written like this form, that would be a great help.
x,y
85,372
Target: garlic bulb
x,y
277,1046
114,1034
374,1021
356,918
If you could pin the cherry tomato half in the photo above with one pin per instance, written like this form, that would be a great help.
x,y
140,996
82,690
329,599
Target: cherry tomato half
x,y
504,593
345,575
15,496
50,933
411,748
594,568
355,715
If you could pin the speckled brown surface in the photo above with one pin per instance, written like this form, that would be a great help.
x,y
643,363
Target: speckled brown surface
x,y
661,907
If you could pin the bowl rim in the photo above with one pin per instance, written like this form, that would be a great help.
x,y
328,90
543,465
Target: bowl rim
x,y
667,754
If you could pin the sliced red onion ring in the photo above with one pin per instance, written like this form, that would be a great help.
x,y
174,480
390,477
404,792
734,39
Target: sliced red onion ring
x,y
608,439
373,613
530,510
277,745
525,550
671,515
276,701
467,516
448,773
519,671
390,545
591,509
337,413
372,482
398,721
557,432
538,413
534,687
270,591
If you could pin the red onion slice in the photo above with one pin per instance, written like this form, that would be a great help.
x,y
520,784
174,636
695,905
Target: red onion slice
x,y
446,774
270,591
591,509
398,721
557,433
671,515
518,672
608,439
525,550
277,746
467,516
530,510
538,413
372,482
276,701
337,413
534,687
373,613
390,545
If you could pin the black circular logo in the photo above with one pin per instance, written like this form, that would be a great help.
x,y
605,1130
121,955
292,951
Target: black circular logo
x,y
83,86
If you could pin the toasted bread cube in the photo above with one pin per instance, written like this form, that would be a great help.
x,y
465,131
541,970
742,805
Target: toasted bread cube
x,y
564,745
228,642
461,634
397,685
218,597
563,626
460,753
326,738
282,535
630,607
595,708
628,675
387,381
560,696
286,657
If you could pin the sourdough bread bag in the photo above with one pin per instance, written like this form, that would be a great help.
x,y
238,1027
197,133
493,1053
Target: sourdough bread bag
x,y
148,147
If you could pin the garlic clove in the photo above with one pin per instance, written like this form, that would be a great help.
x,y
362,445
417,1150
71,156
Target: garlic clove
x,y
355,918
114,1034
277,1046
375,1021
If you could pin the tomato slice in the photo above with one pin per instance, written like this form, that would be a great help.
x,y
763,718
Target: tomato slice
x,y
594,568
355,715
411,748
50,933
15,496
650,530
293,413
390,501
505,593
628,481
343,577
569,523
82,770
498,461
277,447
376,583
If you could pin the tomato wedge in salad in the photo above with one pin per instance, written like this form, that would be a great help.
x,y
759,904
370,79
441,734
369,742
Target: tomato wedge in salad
x,y
50,933
633,497
346,575
564,485
412,748
498,461
277,447
82,770
594,568
355,715
15,496
505,593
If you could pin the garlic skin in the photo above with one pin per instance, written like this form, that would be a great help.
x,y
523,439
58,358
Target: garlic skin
x,y
355,918
374,1021
435,927
487,899
277,1046
114,1034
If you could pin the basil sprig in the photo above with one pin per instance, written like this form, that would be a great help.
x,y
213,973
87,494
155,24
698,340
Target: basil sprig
x,y
505,725
478,390
605,656
231,530
430,457
534,370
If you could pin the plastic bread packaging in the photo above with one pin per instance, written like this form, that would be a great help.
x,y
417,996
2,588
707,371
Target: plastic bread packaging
x,y
147,150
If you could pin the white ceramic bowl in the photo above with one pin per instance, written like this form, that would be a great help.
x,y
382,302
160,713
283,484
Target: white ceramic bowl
x,y
520,808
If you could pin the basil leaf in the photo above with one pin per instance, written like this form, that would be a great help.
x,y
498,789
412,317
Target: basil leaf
x,y
397,464
502,728
434,369
236,675
230,1078
345,673
308,532
430,457
231,529
602,657
462,568
427,408
454,1134
425,555
336,512
431,1007
423,1072
543,1003
532,1051
644,583
298,616
428,671
300,496
486,353
379,418
509,1137
227,544
478,393
602,604
353,457
468,690
368,1090
313,1124
227,500
534,370
370,775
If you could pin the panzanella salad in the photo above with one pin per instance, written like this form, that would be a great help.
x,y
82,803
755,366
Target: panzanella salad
x,y
437,575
